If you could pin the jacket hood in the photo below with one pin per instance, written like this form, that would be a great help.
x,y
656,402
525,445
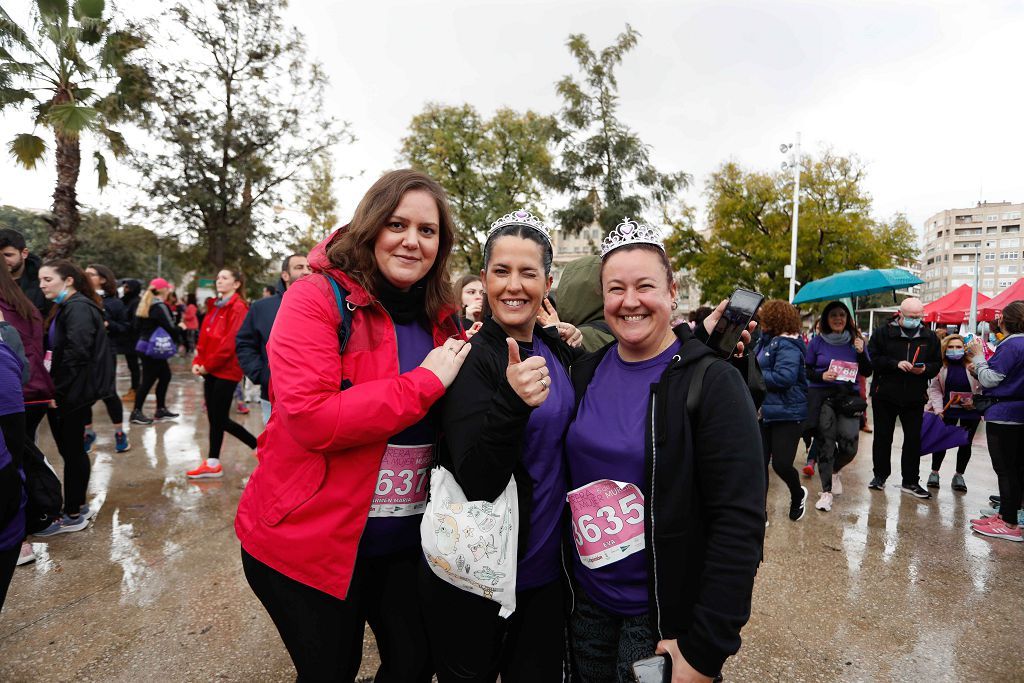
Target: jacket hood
x,y
318,261
579,291
32,265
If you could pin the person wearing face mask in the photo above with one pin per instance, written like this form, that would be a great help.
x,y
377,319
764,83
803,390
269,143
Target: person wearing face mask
x,y
954,378
904,356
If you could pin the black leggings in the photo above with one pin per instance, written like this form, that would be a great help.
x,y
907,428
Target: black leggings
x,y
324,635
218,393
780,440
963,454
69,427
1006,446
470,642
131,358
8,561
154,371
114,410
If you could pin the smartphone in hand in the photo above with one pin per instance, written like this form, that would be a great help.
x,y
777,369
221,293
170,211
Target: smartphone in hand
x,y
743,304
657,669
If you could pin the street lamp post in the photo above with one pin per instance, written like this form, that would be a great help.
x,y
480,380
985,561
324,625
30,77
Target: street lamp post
x,y
794,163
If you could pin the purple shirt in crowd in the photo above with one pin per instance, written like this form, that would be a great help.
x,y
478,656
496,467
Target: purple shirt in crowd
x,y
820,355
543,458
606,441
10,387
957,380
386,535
1008,360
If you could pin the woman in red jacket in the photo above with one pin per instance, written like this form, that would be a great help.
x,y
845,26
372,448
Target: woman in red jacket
x,y
329,521
215,360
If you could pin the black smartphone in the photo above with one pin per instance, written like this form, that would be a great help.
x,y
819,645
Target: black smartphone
x,y
743,304
657,669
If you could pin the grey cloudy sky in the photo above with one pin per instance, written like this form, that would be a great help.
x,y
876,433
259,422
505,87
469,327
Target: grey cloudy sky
x,y
926,92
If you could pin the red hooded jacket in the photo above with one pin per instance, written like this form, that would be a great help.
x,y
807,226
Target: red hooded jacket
x,y
215,350
306,504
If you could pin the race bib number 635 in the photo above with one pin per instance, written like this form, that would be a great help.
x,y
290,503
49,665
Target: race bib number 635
x,y
607,521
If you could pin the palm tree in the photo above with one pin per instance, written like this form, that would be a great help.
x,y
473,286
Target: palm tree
x,y
77,75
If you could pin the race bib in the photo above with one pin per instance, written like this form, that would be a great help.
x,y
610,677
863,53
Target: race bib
x,y
845,370
402,483
48,360
607,521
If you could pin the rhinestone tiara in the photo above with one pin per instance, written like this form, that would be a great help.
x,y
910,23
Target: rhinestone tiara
x,y
630,232
520,217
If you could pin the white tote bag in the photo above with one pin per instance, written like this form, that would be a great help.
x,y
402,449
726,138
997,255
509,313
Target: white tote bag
x,y
473,544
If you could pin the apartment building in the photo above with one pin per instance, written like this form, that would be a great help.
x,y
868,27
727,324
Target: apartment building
x,y
955,239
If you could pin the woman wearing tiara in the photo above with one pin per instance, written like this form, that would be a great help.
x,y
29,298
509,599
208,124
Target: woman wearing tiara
x,y
666,499
505,416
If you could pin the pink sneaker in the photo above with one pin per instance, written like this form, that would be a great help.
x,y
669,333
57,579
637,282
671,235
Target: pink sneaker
x,y
985,521
1000,530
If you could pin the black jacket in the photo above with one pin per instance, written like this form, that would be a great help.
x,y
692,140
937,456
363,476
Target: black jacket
x,y
29,283
705,503
484,422
251,341
119,325
159,316
887,347
83,363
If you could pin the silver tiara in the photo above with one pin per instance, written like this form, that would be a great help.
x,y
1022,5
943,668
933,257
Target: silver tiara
x,y
520,217
630,232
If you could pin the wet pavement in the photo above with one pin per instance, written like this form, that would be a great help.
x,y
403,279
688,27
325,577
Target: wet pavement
x,y
882,588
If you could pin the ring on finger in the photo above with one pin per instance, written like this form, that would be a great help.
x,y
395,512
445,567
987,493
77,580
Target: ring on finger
x,y
545,382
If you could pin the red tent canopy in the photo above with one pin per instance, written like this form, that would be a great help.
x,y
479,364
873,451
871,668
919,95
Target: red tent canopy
x,y
953,308
997,303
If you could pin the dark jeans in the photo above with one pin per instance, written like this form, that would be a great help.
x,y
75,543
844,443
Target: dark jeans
x,y
132,359
191,337
910,417
605,645
69,426
218,394
154,371
8,561
324,635
779,441
1006,446
114,410
963,454
470,642
838,436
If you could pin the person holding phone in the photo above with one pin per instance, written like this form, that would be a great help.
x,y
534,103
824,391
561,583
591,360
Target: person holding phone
x,y
950,395
904,356
836,360
666,507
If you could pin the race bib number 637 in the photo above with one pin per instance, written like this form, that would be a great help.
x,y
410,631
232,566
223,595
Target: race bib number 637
x,y
607,521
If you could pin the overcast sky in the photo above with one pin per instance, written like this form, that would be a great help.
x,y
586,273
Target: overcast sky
x,y
928,93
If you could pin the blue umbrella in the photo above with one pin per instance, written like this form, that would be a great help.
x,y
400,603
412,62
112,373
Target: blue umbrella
x,y
852,283
936,435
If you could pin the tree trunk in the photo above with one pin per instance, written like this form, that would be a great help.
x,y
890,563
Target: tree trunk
x,y
64,230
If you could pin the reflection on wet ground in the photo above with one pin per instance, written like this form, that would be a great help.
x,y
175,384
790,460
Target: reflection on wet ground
x,y
882,588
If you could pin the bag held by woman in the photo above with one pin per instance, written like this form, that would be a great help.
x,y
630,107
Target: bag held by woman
x,y
473,544
159,346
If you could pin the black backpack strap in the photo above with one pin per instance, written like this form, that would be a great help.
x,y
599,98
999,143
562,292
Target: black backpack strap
x,y
345,311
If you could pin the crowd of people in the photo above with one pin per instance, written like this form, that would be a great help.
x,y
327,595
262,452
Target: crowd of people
x,y
497,485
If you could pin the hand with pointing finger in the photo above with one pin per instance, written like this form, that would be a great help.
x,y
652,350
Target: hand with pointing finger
x,y
528,378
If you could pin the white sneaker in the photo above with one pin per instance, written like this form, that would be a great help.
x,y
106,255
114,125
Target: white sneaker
x,y
837,484
824,501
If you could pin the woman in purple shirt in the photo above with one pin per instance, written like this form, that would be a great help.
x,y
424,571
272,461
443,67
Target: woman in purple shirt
x,y
1002,377
836,359
505,416
667,514
954,382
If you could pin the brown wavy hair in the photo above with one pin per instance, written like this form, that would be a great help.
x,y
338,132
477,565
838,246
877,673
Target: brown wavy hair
x,y
352,250
1013,318
779,317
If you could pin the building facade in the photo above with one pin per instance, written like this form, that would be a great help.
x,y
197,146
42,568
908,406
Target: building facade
x,y
955,240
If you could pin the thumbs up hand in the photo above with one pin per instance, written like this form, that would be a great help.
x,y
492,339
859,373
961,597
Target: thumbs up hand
x,y
528,378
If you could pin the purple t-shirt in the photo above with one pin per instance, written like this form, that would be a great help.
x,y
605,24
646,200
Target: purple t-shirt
x,y
957,380
820,355
1009,361
386,535
606,441
10,385
544,461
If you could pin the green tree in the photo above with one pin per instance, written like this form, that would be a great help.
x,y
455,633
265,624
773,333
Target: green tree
x,y
237,123
605,168
79,75
316,199
749,219
489,167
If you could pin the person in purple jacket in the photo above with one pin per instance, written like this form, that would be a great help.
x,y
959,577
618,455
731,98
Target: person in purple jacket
x,y
12,439
1002,378
836,359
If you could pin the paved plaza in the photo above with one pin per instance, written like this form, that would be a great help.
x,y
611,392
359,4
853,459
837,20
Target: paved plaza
x,y
883,588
